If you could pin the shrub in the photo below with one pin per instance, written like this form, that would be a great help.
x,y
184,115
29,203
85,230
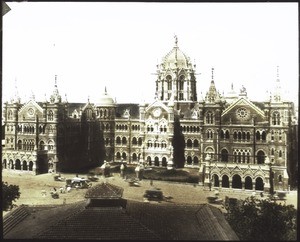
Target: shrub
x,y
170,175
254,219
9,194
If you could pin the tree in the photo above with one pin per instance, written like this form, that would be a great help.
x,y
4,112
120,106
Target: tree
x,y
178,145
9,194
254,219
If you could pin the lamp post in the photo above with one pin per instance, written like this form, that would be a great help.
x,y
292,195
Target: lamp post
x,y
267,161
207,164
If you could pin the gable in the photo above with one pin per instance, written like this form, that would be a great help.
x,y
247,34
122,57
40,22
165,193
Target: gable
x,y
156,110
242,111
30,111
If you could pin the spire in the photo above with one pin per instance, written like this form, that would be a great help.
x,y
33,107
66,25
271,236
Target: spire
x,y
212,95
176,47
16,98
212,74
55,81
105,91
55,97
277,90
32,96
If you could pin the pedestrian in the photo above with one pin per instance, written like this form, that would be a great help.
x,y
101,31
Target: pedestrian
x,y
122,170
151,182
61,189
68,189
137,171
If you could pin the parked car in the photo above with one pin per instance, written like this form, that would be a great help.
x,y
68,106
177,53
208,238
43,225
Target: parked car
x,y
78,182
154,195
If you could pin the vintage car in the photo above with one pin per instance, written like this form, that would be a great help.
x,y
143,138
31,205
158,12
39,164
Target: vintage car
x,y
78,182
154,195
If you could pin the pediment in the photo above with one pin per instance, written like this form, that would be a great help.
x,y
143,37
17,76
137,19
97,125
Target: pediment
x,y
157,109
31,110
242,110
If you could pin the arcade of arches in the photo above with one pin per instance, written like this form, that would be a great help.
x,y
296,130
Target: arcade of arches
x,y
18,165
237,182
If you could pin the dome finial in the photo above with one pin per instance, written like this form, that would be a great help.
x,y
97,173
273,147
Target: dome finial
x,y
277,72
105,91
212,74
55,81
176,40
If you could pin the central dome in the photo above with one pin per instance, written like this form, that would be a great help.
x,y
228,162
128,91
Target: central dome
x,y
106,100
176,58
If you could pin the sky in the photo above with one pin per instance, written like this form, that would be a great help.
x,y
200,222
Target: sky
x,y
93,45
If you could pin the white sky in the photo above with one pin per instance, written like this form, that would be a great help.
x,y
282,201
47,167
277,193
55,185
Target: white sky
x,y
118,45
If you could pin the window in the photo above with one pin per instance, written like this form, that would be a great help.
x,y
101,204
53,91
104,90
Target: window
x,y
42,145
209,118
276,118
50,115
19,144
10,115
189,143
224,155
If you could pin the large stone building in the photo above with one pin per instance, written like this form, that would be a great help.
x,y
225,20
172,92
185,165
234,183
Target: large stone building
x,y
233,141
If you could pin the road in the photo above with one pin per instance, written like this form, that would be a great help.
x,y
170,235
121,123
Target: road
x,y
31,188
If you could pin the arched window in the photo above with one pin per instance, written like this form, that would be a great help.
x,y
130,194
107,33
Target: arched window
x,y
263,135
209,118
209,134
20,145
134,141
118,155
248,157
50,115
118,140
50,145
239,135
280,154
124,156
196,143
248,136
189,160
226,134
248,183
140,141
260,157
225,181
272,135
169,81
276,118
224,155
222,135
42,145
134,157
235,135
236,182
189,143
124,141
257,135
10,115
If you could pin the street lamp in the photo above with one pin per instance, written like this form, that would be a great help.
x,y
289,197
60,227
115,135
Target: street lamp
x,y
267,161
